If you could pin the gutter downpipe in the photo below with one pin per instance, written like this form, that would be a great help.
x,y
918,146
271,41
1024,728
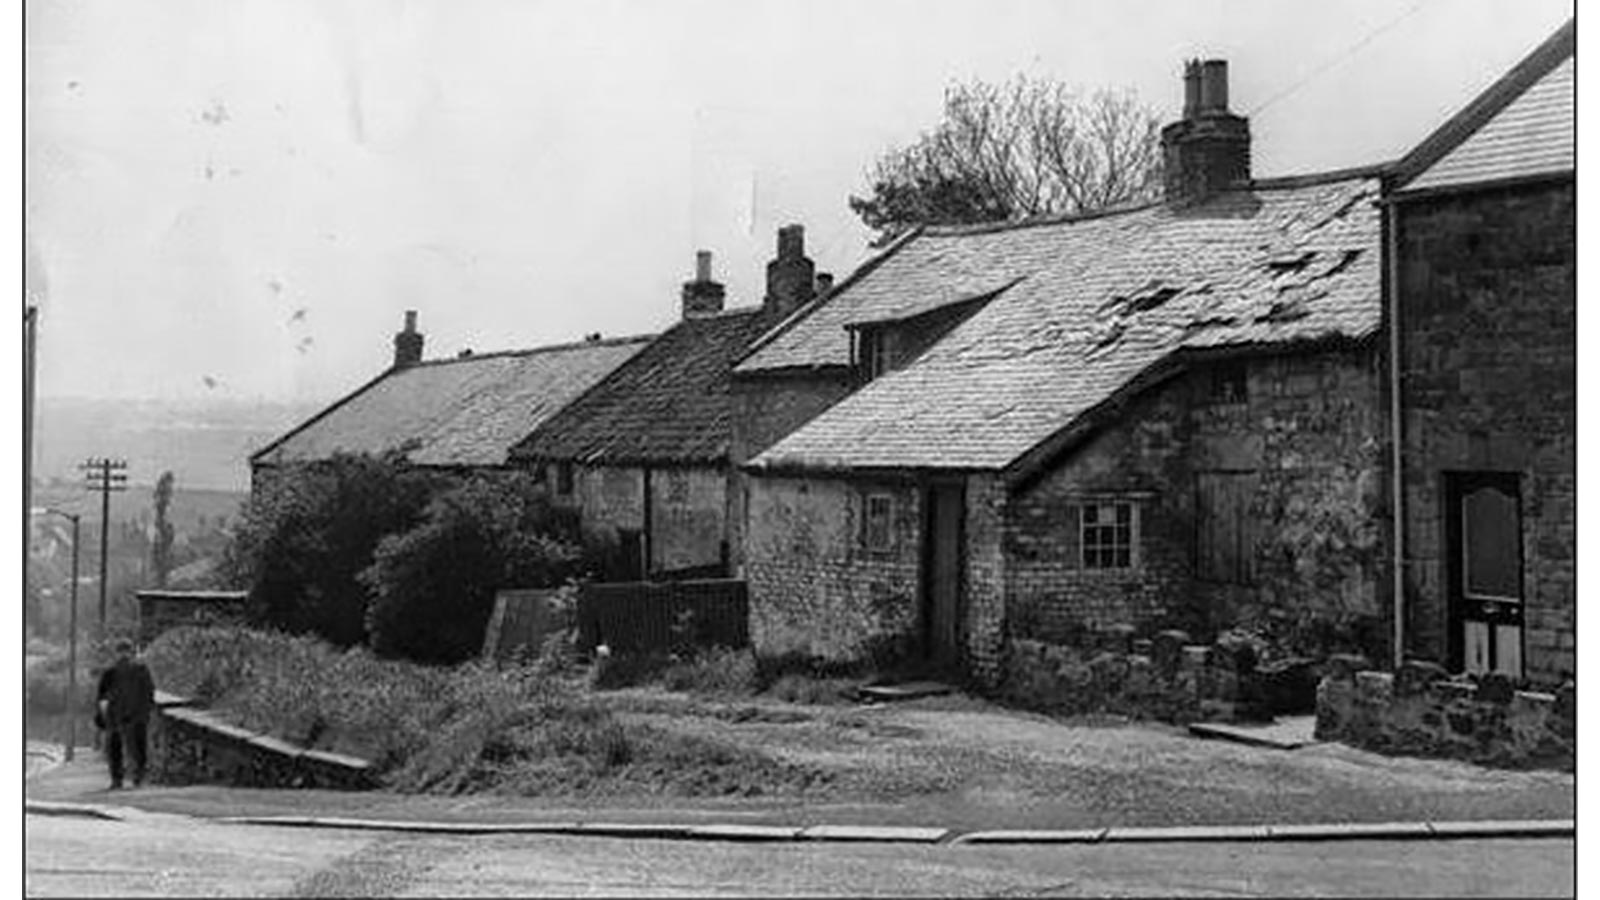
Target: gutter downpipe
x,y
1396,484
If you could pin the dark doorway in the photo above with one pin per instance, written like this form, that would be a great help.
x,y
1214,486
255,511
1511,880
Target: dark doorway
x,y
1483,562
942,572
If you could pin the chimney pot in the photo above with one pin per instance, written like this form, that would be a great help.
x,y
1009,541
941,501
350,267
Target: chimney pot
x,y
702,265
1191,89
824,283
792,242
1214,86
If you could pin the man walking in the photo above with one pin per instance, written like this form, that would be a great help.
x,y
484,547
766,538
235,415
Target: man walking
x,y
127,694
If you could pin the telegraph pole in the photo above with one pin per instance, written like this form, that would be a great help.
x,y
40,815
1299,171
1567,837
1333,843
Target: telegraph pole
x,y
105,476
30,349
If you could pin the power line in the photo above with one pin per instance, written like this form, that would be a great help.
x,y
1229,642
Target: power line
x,y
1351,51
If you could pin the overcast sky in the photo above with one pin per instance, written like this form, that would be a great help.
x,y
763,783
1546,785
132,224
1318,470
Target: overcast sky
x,y
238,198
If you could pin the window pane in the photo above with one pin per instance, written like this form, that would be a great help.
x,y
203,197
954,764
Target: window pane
x,y
1491,544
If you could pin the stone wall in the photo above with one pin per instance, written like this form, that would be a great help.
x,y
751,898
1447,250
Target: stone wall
x,y
688,512
767,408
1165,676
814,585
1417,711
191,746
1489,354
1305,440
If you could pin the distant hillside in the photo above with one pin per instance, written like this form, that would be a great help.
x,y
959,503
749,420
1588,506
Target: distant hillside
x,y
204,444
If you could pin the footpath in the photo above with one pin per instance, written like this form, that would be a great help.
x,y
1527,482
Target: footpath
x,y
78,788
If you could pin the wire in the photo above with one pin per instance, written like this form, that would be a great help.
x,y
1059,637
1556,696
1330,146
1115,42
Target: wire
x,y
1351,51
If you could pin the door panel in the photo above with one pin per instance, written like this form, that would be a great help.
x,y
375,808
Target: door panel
x,y
942,593
1483,527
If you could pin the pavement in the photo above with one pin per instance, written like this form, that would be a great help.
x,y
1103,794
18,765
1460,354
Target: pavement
x,y
77,789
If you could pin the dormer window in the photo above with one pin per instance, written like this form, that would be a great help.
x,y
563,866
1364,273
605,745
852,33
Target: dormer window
x,y
874,353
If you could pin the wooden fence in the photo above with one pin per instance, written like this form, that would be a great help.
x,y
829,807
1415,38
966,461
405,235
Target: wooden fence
x,y
644,616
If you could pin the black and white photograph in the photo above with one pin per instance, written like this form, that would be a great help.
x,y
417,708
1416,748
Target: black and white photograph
x,y
903,448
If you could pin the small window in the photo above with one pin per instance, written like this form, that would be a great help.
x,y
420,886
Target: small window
x,y
1107,535
564,479
539,476
874,353
1230,382
877,530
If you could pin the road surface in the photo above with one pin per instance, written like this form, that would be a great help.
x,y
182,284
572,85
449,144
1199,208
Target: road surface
x,y
160,855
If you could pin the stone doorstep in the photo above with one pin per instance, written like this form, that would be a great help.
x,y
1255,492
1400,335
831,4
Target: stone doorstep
x,y
746,832
910,690
1287,733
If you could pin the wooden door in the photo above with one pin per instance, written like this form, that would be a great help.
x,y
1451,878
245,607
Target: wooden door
x,y
942,572
1483,534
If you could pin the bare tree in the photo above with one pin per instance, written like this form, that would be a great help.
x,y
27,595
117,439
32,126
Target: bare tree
x,y
1017,150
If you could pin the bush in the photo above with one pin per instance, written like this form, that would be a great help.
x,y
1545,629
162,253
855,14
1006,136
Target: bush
x,y
433,586
307,532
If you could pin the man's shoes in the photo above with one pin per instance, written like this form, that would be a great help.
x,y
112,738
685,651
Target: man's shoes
x,y
115,786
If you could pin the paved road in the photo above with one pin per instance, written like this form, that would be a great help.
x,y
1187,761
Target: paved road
x,y
159,855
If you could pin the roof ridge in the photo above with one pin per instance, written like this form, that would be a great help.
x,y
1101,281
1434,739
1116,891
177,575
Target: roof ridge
x,y
1539,62
530,351
958,230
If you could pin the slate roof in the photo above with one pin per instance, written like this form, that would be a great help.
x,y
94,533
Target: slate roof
x,y
928,271
1109,300
455,412
669,404
1522,126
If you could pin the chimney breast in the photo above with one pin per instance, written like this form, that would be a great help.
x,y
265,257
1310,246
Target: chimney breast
x,y
408,343
1208,150
791,277
702,296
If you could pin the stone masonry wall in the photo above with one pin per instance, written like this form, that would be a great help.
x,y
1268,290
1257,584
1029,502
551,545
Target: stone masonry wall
x,y
1489,353
192,746
1308,433
1418,711
814,587
688,508
765,410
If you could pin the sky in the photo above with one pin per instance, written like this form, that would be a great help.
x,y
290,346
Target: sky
x,y
237,199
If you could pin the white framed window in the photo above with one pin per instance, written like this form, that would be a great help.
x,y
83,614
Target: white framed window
x,y
1106,534
877,522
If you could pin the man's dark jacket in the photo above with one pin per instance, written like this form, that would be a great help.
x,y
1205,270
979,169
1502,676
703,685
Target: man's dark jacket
x,y
130,690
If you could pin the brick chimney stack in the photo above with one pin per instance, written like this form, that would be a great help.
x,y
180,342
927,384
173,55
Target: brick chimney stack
x,y
791,277
702,296
1208,150
408,343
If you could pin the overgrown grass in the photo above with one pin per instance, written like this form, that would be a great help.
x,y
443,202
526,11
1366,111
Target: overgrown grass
x,y
726,673
470,728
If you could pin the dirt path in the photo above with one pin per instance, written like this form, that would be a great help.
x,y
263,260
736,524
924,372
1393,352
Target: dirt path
x,y
999,763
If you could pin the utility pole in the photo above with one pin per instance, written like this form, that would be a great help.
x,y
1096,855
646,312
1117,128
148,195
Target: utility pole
x,y
72,632
30,349
105,476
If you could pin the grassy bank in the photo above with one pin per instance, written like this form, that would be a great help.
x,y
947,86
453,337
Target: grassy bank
x,y
470,728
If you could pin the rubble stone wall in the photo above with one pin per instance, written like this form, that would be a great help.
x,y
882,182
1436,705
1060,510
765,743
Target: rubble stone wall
x,y
1418,711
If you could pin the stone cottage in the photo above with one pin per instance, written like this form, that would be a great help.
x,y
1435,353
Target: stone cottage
x,y
645,453
1485,268
461,414
1168,415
